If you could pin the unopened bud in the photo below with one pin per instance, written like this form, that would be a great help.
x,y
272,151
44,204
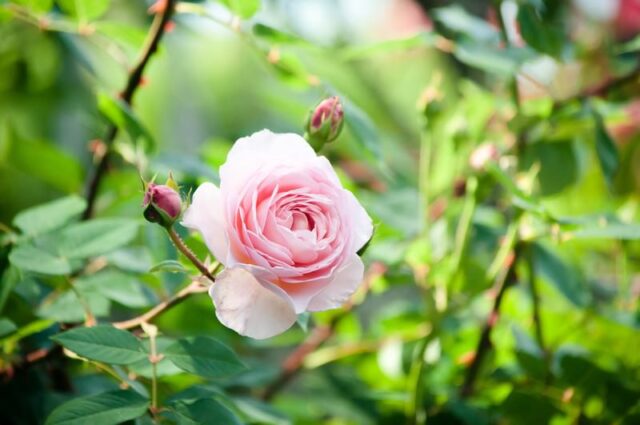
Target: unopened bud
x,y
482,155
325,122
162,204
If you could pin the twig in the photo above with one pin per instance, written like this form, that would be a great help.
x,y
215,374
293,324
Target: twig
x,y
505,279
537,320
194,288
182,247
293,363
154,36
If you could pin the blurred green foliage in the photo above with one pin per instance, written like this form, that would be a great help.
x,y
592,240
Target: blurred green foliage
x,y
498,153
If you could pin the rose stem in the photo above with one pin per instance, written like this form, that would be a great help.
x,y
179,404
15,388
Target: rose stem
x,y
182,247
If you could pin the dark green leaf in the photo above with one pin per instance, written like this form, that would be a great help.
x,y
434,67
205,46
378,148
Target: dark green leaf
x,y
203,412
119,287
606,149
204,356
6,326
558,163
103,343
540,33
109,408
564,278
49,216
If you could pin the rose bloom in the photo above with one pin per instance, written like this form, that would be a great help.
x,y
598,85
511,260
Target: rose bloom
x,y
286,231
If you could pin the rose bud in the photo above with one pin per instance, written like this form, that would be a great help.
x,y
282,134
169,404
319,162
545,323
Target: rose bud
x,y
162,204
482,155
325,123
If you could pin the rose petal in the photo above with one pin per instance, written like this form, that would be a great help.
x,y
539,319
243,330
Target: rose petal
x,y
345,282
206,215
362,226
250,307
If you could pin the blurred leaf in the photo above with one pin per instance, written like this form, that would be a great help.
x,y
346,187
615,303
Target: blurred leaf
x,y
275,36
606,149
260,412
96,237
204,356
171,266
44,162
203,412
116,286
109,408
49,216
121,115
458,21
123,34
29,258
540,33
243,8
103,343
84,10
421,39
501,61
10,278
6,326
558,165
529,408
303,320
560,275
35,5
619,231
66,307
362,128
630,46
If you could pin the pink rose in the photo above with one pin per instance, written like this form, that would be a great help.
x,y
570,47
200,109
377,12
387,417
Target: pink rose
x,y
286,231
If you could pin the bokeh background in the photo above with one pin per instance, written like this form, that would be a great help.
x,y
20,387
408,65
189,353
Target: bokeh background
x,y
494,143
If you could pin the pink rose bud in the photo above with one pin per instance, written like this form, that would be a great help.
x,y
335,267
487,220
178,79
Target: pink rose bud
x,y
482,155
162,204
325,122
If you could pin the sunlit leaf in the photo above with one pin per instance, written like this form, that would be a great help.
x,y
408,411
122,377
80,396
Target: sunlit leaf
x,y
103,343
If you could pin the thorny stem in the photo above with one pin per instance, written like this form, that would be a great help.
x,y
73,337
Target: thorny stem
x,y
183,248
157,30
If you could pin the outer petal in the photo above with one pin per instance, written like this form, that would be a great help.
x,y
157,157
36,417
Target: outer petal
x,y
361,224
249,307
206,215
345,282
248,154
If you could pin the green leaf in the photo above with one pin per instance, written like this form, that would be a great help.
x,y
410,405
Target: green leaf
x,y
109,408
539,32
44,161
457,20
29,258
170,266
564,278
84,10
36,5
121,115
203,412
204,356
362,128
10,278
103,343
559,165
619,231
275,36
243,8
119,287
606,150
67,308
50,216
96,237
6,326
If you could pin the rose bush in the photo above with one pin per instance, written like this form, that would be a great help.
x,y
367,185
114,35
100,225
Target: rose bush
x,y
286,231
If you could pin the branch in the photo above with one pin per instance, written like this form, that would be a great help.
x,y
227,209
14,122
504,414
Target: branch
x,y
293,363
194,288
504,280
157,30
